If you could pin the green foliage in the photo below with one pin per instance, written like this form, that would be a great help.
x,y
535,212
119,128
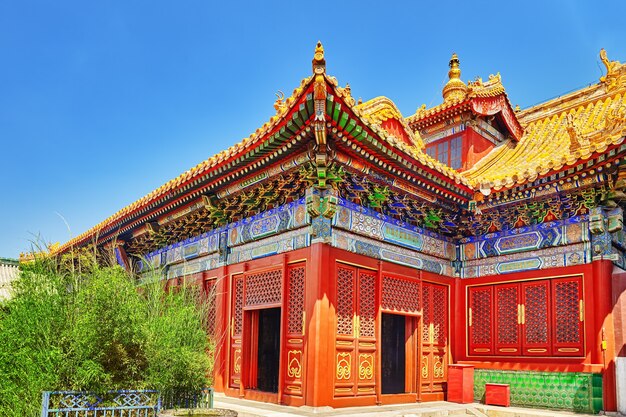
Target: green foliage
x,y
86,327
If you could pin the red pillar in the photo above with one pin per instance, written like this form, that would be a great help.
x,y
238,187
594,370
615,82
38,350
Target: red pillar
x,y
319,377
222,314
603,326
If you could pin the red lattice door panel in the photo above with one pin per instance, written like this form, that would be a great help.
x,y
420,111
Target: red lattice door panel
x,y
236,331
401,295
434,364
535,318
210,291
480,320
567,317
355,349
507,319
264,288
295,330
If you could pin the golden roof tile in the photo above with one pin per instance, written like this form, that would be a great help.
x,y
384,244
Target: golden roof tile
x,y
558,133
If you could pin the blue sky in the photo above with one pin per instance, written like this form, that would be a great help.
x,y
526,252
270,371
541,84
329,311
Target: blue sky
x,y
102,102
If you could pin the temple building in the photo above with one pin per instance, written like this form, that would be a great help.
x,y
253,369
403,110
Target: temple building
x,y
9,270
356,253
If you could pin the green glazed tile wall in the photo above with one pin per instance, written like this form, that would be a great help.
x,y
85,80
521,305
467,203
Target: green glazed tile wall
x,y
573,391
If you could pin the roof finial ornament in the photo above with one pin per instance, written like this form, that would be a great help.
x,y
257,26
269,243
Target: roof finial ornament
x,y
455,89
319,62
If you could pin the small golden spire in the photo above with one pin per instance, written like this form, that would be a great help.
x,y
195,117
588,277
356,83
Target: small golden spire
x,y
319,63
455,89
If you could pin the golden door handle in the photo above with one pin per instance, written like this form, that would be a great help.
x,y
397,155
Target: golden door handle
x,y
581,310
523,314
470,316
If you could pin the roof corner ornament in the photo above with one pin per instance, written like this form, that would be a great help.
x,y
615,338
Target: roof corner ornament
x,y
455,89
347,94
280,104
615,72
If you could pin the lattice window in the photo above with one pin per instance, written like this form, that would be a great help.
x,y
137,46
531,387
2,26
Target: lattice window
x,y
567,312
345,300
367,305
401,295
296,300
481,317
211,294
428,316
238,310
507,315
264,288
536,319
440,310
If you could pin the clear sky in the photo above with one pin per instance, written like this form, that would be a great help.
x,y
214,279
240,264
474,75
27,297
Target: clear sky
x,y
103,101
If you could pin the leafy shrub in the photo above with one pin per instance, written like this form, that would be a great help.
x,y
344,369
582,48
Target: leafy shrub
x,y
86,327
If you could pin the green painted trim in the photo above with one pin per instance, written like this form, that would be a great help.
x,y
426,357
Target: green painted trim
x,y
572,391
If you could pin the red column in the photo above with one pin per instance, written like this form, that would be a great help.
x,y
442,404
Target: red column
x,y
603,326
318,385
222,314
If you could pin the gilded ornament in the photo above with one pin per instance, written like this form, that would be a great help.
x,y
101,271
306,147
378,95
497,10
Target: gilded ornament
x,y
615,72
294,367
455,89
366,366
344,363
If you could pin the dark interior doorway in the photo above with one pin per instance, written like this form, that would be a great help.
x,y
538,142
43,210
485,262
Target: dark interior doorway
x,y
269,350
393,354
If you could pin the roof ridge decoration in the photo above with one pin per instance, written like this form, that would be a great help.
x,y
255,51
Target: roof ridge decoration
x,y
615,72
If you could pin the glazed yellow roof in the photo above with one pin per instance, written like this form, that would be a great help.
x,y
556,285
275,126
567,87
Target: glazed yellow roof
x,y
559,132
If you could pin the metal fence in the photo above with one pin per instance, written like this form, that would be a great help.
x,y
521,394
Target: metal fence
x,y
187,399
126,403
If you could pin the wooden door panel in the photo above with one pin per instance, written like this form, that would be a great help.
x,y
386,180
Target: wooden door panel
x,y
295,330
480,320
236,331
507,319
536,318
434,364
567,317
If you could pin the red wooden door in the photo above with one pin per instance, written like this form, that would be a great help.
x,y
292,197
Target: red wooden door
x,y
535,318
356,332
295,331
236,331
567,316
507,319
480,320
434,337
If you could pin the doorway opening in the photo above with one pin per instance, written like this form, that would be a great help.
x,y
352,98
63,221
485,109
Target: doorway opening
x,y
268,351
393,354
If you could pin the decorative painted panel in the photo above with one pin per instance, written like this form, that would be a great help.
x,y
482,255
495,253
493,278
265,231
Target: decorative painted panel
x,y
527,238
560,256
401,294
264,288
369,223
286,242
